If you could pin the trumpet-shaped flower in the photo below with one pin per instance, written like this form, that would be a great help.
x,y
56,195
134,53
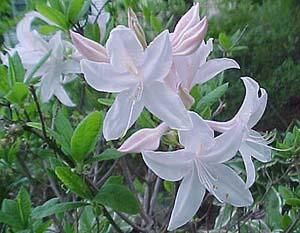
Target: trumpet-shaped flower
x,y
137,75
186,72
200,167
54,72
189,32
250,112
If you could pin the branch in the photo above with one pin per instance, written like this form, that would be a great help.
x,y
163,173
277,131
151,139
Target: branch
x,y
111,221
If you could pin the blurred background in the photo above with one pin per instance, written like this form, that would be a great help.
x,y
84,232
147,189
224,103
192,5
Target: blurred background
x,y
263,36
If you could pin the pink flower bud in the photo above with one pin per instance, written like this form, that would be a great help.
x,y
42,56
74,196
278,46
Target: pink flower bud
x,y
88,48
134,24
186,98
144,139
189,32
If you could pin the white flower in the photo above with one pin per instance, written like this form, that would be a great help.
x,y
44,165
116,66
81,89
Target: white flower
x,y
200,166
137,76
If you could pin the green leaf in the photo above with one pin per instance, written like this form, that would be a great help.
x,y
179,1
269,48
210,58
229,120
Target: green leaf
x,y
16,70
4,85
224,41
9,213
53,207
84,9
73,182
48,29
118,197
63,126
286,221
24,206
285,192
106,101
18,93
212,97
37,67
57,4
155,24
273,209
74,9
92,32
114,180
53,15
169,186
86,135
10,220
293,201
108,154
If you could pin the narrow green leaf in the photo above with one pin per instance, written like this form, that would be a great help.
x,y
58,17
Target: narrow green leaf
x,y
106,101
224,41
293,201
86,135
53,15
155,24
52,207
285,192
118,197
57,4
74,9
212,97
73,182
4,85
108,154
24,206
18,93
37,67
16,70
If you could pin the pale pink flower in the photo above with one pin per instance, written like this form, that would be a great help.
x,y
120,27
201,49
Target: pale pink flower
x,y
200,166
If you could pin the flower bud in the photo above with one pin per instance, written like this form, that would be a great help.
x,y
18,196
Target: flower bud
x,y
88,48
189,32
144,139
134,24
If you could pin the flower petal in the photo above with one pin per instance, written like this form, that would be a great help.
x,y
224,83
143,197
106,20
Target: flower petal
x,y
63,97
258,147
200,133
188,200
170,166
49,82
124,49
144,139
260,108
226,145
88,48
228,187
213,67
163,103
104,77
250,169
158,58
121,116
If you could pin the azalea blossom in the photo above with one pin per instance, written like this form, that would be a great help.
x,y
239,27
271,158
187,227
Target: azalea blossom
x,y
189,32
200,167
253,144
186,72
59,67
137,75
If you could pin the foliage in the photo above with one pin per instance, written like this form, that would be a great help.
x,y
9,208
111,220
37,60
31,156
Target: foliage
x,y
56,171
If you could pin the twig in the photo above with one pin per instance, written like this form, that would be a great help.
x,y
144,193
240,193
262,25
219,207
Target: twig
x,y
292,226
111,221
38,108
107,174
129,182
154,194
134,226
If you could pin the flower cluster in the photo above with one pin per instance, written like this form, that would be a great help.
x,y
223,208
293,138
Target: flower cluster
x,y
158,76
